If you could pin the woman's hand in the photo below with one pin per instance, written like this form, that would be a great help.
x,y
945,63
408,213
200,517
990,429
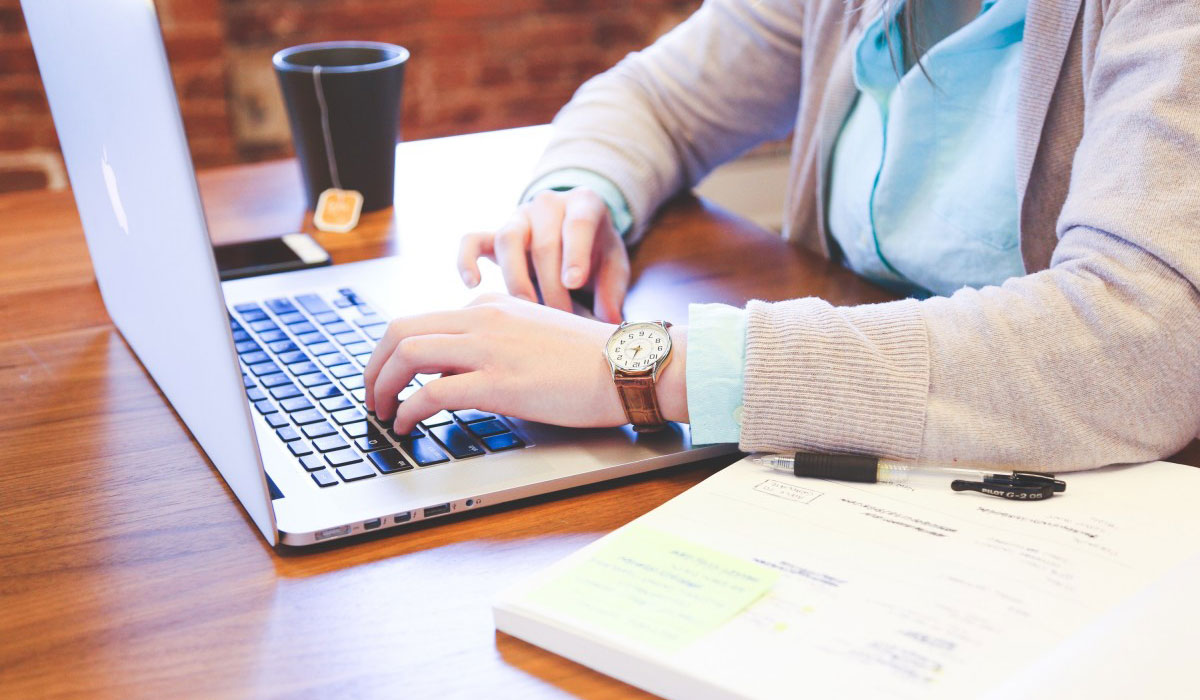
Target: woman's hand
x,y
508,356
570,239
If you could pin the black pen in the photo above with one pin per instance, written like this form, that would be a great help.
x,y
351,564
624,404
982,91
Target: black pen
x,y
1013,486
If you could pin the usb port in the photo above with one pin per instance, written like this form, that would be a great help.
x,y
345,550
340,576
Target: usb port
x,y
372,524
437,510
403,517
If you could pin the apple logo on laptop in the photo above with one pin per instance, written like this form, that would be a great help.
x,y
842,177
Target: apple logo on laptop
x,y
114,196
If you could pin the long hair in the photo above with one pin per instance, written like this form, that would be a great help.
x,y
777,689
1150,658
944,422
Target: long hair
x,y
909,18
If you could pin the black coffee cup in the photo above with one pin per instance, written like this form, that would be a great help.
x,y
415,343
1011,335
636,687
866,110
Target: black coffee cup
x,y
343,99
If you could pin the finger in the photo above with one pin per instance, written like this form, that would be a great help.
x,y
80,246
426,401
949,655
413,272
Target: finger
x,y
546,251
400,328
510,248
418,354
612,283
585,214
472,247
445,393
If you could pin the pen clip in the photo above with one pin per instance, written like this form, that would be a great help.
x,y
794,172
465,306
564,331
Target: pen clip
x,y
1014,487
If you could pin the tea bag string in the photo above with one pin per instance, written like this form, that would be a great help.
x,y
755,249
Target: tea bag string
x,y
333,172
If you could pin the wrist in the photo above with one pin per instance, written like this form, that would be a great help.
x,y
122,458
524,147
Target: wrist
x,y
671,387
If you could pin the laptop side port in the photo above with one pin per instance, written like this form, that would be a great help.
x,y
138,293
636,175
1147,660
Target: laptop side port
x,y
372,524
437,510
402,517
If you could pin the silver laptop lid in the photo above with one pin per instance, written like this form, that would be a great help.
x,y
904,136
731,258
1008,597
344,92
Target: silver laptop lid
x,y
106,76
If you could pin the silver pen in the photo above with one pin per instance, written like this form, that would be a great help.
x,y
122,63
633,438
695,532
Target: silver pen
x,y
1012,485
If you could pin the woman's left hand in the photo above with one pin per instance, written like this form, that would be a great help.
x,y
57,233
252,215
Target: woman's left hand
x,y
507,356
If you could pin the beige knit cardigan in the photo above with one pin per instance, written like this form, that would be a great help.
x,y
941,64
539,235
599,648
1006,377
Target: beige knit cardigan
x,y
1091,358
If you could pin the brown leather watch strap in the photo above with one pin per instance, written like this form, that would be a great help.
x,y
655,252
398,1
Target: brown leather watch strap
x,y
640,402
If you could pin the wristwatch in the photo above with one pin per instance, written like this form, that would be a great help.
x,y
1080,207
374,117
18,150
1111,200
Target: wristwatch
x,y
637,352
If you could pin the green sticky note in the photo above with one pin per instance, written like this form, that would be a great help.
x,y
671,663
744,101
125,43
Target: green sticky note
x,y
654,588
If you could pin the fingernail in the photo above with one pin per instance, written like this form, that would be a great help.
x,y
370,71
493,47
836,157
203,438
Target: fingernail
x,y
468,279
573,277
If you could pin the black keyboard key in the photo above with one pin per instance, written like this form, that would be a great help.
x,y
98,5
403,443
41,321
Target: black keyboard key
x,y
344,370
375,332
246,346
280,306
355,472
372,320
287,434
272,336
423,451
300,368
503,441
298,403
339,326
336,403
354,381
340,458
252,358
347,337
322,348
332,359
247,380
263,368
311,380
291,358
300,448
276,420
303,328
358,428
371,442
282,346
325,392
291,317
263,326
389,461
327,317
240,336
312,415
470,415
318,430
324,478
247,306
285,391
254,315
488,427
414,433
264,407
311,338
312,303
457,441
312,463
330,443
360,395
255,394
348,416
274,380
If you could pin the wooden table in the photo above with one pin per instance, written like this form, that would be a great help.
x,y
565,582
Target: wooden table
x,y
127,569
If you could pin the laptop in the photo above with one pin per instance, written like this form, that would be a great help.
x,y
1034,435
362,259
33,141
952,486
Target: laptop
x,y
266,372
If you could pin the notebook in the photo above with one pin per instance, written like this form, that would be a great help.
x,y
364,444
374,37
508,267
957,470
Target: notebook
x,y
757,584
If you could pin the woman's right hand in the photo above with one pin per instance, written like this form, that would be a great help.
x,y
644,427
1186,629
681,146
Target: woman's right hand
x,y
570,240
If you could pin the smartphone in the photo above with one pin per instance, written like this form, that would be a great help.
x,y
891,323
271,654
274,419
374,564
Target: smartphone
x,y
292,251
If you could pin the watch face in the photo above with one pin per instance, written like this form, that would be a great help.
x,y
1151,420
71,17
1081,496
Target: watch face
x,y
638,346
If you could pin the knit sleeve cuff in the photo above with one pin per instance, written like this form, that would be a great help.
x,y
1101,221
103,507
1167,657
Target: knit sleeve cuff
x,y
828,379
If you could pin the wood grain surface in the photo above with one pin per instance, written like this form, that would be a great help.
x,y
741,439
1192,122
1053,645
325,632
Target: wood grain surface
x,y
127,568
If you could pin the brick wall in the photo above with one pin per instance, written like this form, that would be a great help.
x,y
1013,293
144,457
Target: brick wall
x,y
476,65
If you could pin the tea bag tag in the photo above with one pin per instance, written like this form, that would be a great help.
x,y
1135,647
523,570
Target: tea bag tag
x,y
338,210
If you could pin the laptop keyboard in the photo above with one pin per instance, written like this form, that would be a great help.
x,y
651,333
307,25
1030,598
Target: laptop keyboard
x,y
302,360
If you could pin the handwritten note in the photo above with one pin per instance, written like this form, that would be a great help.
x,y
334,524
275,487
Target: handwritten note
x,y
655,588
